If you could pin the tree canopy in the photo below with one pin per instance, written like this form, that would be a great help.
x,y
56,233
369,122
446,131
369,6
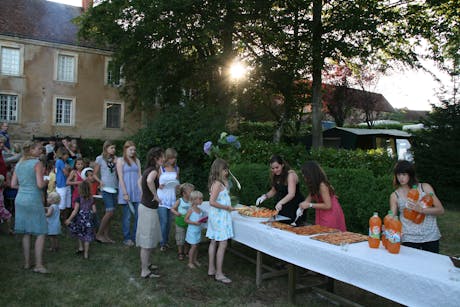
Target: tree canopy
x,y
178,52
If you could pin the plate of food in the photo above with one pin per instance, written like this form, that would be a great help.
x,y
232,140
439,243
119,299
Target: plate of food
x,y
338,238
256,212
171,184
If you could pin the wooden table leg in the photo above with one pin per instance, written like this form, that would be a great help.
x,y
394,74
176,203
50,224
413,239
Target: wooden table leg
x,y
258,269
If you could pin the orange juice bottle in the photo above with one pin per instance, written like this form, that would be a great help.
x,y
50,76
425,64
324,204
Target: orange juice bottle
x,y
426,201
375,226
385,226
412,196
394,235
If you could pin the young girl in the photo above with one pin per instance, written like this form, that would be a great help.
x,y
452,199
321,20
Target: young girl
x,y
425,235
169,175
129,173
81,221
61,182
75,178
220,227
52,217
5,215
322,197
193,219
50,167
180,209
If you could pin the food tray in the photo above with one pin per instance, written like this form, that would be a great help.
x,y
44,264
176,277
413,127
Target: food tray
x,y
338,238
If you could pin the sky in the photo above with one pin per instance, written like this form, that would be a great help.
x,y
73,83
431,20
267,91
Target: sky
x,y
415,90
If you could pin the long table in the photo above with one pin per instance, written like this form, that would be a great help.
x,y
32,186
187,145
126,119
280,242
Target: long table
x,y
412,277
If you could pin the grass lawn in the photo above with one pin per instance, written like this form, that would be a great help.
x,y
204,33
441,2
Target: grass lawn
x,y
111,277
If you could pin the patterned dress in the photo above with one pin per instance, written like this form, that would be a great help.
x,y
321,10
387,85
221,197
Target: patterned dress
x,y
82,225
30,214
193,235
220,226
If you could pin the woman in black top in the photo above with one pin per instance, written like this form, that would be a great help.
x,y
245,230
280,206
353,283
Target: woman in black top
x,y
285,189
148,232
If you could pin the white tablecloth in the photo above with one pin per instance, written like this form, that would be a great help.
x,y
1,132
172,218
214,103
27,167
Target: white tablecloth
x,y
412,277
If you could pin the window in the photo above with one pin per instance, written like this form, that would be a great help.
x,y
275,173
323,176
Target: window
x,y
8,108
64,111
112,73
66,67
113,114
11,60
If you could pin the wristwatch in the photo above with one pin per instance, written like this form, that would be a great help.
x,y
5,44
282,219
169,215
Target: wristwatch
x,y
310,205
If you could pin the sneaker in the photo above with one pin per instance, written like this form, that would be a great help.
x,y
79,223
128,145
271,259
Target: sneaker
x,y
128,243
163,248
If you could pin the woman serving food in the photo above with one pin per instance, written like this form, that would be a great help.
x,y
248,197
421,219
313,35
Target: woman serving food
x,y
285,189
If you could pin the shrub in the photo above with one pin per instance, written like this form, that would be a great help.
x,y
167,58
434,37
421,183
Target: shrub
x,y
360,194
91,148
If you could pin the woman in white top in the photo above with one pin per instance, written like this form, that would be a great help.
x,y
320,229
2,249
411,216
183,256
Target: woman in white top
x,y
169,175
425,235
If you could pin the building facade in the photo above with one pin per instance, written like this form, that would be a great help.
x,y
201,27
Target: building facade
x,y
52,84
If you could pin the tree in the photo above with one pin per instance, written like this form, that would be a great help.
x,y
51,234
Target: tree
x,y
178,52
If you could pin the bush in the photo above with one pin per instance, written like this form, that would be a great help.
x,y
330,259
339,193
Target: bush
x,y
360,194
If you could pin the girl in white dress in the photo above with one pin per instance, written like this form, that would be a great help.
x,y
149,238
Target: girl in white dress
x,y
220,227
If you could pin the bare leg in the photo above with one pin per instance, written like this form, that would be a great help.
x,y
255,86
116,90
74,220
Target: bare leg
x,y
39,245
220,258
103,232
145,261
86,250
195,256
212,257
191,256
80,245
26,250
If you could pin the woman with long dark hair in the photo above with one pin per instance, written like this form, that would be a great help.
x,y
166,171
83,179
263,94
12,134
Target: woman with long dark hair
x,y
284,187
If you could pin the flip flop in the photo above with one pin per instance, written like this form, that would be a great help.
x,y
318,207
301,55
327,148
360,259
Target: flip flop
x,y
150,275
223,279
153,267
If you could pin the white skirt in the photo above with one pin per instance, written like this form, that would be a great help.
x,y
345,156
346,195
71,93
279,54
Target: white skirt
x,y
148,233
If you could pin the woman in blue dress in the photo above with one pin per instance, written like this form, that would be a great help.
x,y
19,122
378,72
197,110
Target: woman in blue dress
x,y
30,212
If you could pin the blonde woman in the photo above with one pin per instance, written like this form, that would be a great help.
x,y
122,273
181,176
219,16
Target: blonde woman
x,y
30,216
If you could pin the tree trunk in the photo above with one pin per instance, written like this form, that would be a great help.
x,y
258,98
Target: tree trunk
x,y
317,66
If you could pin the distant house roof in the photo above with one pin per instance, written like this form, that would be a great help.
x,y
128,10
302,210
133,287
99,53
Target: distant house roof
x,y
357,96
41,20
389,132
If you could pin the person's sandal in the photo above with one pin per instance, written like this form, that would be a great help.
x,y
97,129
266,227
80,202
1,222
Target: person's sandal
x,y
181,256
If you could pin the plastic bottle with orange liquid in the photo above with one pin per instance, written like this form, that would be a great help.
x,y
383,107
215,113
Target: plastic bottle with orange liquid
x,y
375,226
385,226
426,201
412,196
394,235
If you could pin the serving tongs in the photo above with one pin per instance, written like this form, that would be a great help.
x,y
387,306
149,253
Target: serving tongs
x,y
299,213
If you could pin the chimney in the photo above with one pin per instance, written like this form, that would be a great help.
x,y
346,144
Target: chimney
x,y
86,4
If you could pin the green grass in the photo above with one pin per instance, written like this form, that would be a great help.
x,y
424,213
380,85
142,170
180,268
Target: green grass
x,y
111,277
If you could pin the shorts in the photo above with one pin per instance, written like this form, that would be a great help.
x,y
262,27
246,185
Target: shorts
x,y
110,200
66,197
180,235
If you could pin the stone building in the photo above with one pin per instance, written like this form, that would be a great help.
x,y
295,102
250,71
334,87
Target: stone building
x,y
52,84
